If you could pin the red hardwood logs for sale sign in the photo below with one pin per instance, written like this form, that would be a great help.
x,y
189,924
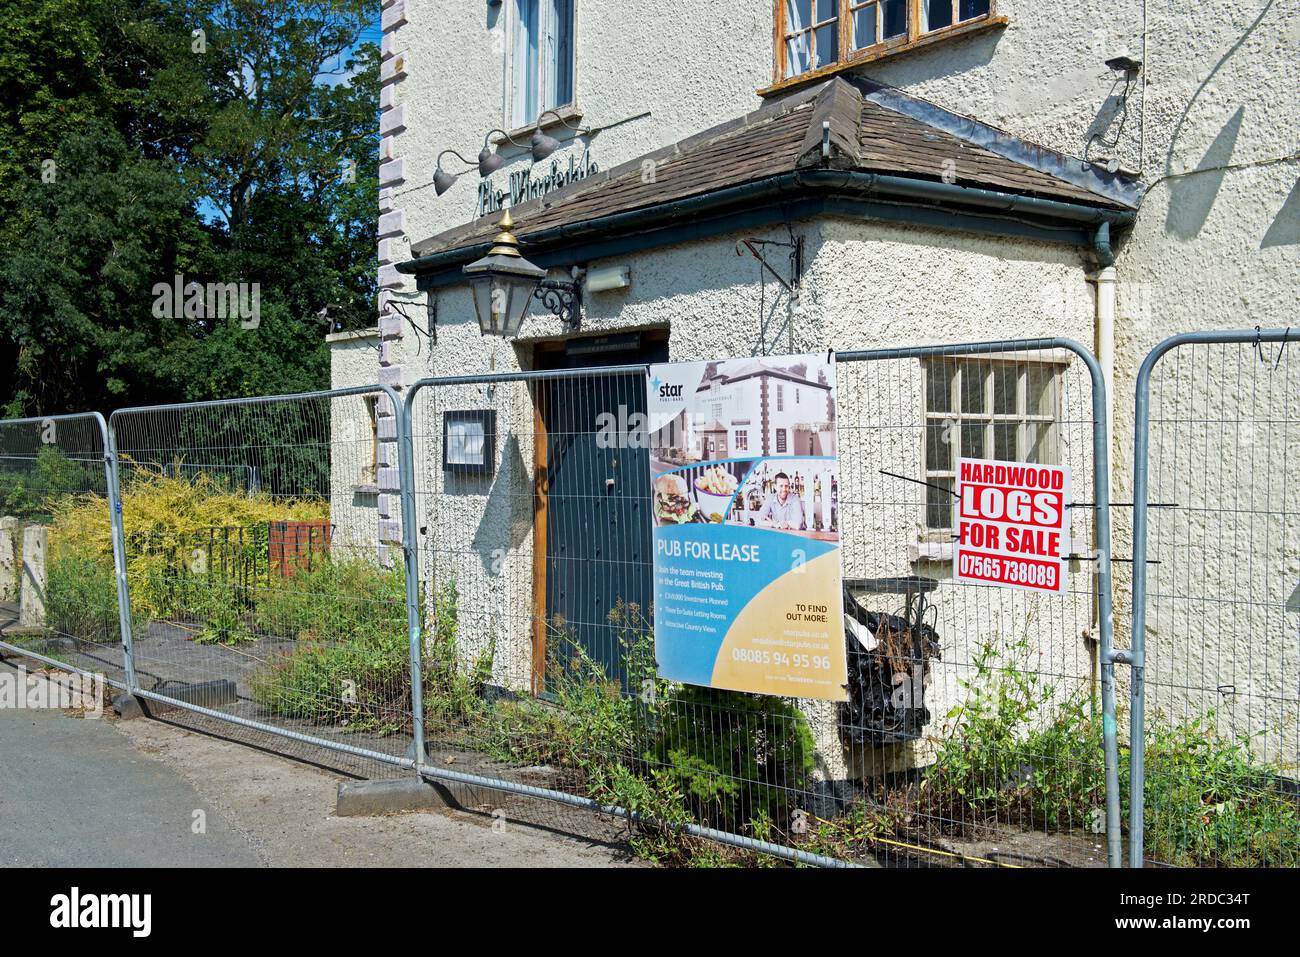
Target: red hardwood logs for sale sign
x,y
1011,526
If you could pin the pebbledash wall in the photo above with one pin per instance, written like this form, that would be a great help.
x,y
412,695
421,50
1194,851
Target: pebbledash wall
x,y
1211,131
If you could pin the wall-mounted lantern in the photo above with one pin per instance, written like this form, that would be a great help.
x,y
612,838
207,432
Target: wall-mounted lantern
x,y
504,283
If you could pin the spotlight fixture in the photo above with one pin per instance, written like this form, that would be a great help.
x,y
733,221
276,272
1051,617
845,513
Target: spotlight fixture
x,y
1124,64
489,160
543,145
442,180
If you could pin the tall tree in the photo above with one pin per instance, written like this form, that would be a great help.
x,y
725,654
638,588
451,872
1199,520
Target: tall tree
x,y
223,142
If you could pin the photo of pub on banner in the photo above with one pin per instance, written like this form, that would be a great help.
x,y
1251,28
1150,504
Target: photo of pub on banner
x,y
745,479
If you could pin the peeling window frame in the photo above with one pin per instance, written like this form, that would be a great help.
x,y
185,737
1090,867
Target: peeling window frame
x,y
847,58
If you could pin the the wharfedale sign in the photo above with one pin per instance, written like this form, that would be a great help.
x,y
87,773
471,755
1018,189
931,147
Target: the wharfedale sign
x,y
531,183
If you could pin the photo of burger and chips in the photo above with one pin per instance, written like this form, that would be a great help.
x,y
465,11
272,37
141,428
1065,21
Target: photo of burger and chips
x,y
713,490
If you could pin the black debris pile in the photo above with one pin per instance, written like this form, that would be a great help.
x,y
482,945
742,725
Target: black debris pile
x,y
889,660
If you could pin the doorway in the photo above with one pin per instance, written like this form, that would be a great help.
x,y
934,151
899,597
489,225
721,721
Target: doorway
x,y
592,569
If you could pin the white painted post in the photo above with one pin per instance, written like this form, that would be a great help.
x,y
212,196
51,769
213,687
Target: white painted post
x,y
8,559
31,612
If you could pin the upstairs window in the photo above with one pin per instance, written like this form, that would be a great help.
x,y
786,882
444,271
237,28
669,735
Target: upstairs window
x,y
820,35
542,60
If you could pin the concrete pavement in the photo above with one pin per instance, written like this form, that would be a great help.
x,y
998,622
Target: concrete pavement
x,y
80,792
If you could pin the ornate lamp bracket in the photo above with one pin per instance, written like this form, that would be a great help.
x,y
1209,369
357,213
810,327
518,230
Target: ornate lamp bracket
x,y
561,298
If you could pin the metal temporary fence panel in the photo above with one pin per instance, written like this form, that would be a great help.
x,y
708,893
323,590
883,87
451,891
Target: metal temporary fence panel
x,y
1215,694
265,564
1004,749
533,509
55,476
975,730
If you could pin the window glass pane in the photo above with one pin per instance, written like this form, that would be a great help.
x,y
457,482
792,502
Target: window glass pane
x,y
969,9
826,9
1040,391
828,44
798,58
938,504
864,27
895,18
972,440
524,68
1041,451
936,14
972,388
938,384
938,453
1004,440
559,64
798,15
1005,381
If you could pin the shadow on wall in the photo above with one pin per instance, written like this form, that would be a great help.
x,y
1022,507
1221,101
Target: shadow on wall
x,y
943,60
492,540
1285,230
1192,196
1187,110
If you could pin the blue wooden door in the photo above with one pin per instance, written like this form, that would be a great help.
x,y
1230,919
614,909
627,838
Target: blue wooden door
x,y
599,582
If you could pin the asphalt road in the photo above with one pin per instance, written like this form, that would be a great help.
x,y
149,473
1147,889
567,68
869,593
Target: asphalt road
x,y
83,792
76,793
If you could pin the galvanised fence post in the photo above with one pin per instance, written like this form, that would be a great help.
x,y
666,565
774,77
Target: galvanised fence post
x,y
410,556
119,556
79,439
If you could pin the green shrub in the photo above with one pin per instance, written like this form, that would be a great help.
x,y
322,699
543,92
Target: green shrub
x,y
33,492
335,600
358,685
853,832
589,721
81,599
353,668
221,609
453,685
673,754
1209,801
736,757
179,532
1017,750
1017,754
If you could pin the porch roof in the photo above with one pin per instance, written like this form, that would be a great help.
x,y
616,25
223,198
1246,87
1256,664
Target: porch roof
x,y
845,139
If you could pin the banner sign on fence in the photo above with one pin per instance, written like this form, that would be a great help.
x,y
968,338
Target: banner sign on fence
x,y
1011,524
746,525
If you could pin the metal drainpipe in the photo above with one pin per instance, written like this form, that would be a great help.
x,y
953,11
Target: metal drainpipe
x,y
1104,280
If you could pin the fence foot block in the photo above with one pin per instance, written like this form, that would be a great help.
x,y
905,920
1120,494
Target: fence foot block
x,y
364,798
207,694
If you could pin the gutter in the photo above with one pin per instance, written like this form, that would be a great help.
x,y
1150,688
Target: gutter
x,y
799,183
